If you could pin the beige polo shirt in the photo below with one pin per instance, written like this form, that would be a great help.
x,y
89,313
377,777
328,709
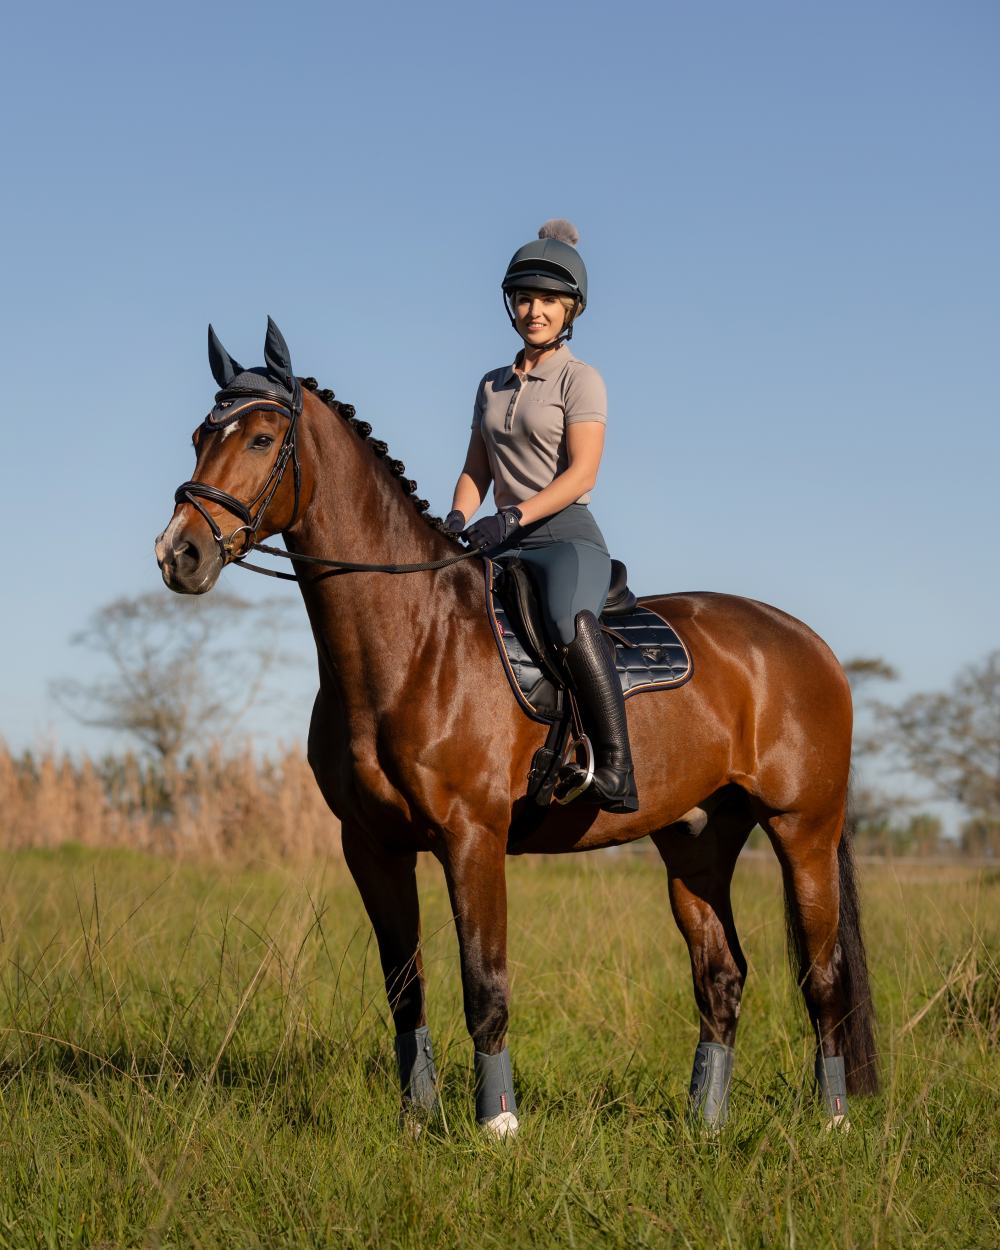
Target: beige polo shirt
x,y
523,424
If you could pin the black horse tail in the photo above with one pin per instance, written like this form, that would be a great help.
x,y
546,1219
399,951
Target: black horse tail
x,y
855,1032
857,1029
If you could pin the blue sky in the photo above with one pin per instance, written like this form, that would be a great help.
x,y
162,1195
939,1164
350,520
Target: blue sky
x,y
789,212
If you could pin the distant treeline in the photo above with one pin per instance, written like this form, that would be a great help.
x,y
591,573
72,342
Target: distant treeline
x,y
921,835
213,805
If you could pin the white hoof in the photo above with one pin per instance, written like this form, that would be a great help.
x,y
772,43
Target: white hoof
x,y
837,1124
501,1126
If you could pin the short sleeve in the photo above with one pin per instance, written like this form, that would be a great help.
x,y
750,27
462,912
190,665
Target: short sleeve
x,y
585,397
478,406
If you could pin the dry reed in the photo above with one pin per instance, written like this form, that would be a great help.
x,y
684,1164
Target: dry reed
x,y
215,806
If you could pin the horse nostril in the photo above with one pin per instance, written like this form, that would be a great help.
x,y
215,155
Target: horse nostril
x,y
187,553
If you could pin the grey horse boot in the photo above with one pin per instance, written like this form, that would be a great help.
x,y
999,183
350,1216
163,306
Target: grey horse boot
x,y
831,1084
417,1078
711,1077
496,1106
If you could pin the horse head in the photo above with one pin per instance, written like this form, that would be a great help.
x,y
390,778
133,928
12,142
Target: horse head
x,y
247,483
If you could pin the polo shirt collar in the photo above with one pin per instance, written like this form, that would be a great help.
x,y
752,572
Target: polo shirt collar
x,y
548,368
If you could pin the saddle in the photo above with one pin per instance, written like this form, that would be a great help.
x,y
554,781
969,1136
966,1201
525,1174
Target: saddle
x,y
648,655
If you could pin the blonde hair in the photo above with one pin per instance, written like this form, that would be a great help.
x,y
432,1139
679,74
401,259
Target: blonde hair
x,y
572,305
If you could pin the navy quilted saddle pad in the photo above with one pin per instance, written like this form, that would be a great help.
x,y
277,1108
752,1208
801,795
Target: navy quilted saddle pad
x,y
649,654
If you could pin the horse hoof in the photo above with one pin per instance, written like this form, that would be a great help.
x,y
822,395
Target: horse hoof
x,y
837,1124
410,1125
414,1119
501,1126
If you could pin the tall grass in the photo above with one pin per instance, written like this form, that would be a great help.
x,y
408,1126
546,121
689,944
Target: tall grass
x,y
214,806
196,1055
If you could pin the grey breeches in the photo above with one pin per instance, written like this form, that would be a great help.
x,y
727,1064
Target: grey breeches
x,y
569,560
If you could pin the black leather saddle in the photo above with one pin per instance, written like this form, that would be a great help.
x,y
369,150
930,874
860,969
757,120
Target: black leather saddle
x,y
648,653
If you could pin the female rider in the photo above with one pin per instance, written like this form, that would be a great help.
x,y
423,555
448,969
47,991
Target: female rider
x,y
537,435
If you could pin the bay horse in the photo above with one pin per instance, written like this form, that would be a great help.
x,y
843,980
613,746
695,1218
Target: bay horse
x,y
418,744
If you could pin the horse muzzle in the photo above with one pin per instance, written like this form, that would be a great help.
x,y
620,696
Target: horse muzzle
x,y
189,563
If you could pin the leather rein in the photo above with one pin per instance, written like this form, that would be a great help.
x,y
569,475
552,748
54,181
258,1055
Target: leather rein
x,y
193,492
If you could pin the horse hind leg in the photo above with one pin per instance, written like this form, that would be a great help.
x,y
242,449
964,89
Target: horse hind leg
x,y
824,926
700,871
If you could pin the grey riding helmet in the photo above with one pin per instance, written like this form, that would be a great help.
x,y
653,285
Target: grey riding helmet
x,y
548,263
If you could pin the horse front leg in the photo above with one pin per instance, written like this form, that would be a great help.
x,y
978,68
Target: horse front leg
x,y
477,885
388,887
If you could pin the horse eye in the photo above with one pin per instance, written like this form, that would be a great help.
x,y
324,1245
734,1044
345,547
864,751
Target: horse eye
x,y
262,442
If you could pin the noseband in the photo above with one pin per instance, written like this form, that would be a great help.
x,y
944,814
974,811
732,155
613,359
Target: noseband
x,y
228,409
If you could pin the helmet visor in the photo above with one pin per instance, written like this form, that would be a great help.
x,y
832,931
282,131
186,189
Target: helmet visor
x,y
533,277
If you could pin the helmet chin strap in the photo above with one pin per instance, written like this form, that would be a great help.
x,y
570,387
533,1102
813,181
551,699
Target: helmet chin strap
x,y
544,347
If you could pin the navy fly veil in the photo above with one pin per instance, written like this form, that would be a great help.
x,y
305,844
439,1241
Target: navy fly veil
x,y
274,388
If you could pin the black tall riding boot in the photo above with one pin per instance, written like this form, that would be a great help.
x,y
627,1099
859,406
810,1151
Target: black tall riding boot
x,y
602,707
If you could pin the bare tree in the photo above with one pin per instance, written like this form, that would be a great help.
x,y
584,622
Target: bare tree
x,y
952,739
864,669
180,668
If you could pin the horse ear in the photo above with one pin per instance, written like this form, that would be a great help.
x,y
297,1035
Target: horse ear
x,y
276,354
224,368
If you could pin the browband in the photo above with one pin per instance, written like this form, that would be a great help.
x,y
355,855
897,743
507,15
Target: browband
x,y
230,409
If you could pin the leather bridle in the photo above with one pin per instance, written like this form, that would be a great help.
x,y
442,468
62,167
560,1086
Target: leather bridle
x,y
193,492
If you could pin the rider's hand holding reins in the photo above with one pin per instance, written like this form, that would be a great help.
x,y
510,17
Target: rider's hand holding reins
x,y
491,531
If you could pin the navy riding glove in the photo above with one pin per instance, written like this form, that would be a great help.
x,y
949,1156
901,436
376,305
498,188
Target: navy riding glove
x,y
491,531
454,522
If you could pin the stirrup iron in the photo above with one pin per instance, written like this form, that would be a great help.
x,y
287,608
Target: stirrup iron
x,y
582,773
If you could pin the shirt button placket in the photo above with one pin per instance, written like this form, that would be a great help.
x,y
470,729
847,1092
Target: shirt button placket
x,y
508,423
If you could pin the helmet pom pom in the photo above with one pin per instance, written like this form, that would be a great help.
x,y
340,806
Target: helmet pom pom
x,y
561,229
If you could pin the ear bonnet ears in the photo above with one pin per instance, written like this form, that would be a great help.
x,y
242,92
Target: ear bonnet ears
x,y
242,390
277,356
223,367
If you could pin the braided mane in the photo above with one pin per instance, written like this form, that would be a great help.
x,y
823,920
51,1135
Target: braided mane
x,y
396,467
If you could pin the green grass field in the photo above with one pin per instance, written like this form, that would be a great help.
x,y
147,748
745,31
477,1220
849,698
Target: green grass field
x,y
197,1056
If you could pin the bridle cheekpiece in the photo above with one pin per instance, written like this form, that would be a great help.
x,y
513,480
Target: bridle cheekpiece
x,y
251,391
245,391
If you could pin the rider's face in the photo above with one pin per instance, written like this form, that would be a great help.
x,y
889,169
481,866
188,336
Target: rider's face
x,y
539,316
